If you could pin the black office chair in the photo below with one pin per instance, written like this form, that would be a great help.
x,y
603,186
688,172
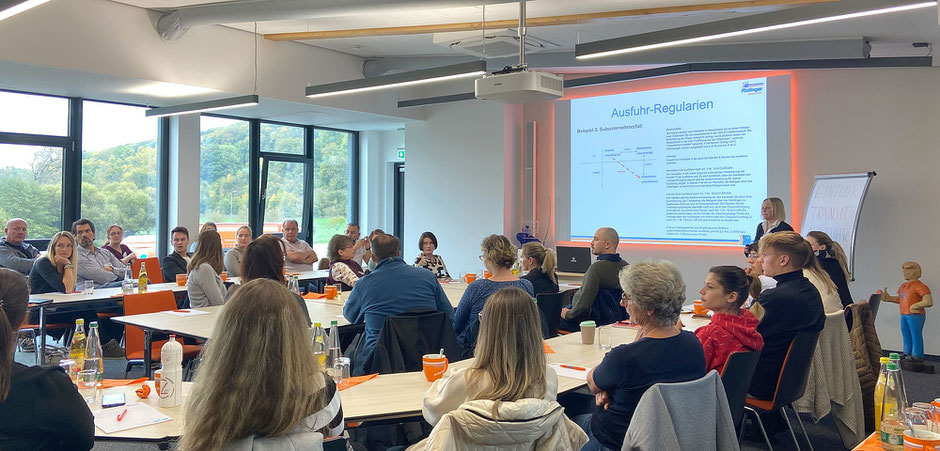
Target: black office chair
x,y
406,337
736,376
550,305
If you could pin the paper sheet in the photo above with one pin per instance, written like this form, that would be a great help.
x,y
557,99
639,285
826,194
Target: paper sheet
x,y
579,374
138,415
185,312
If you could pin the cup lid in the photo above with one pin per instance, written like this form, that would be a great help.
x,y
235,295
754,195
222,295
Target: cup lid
x,y
588,323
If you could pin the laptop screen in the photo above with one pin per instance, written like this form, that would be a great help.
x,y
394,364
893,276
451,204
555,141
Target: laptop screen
x,y
573,258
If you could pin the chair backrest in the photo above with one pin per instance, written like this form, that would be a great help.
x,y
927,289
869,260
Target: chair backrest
x,y
154,274
874,301
736,376
795,370
606,308
408,336
550,305
136,304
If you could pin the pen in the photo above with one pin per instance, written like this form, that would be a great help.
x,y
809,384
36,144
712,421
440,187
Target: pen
x,y
122,414
570,367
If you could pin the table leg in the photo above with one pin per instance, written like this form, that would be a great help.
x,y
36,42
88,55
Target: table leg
x,y
148,346
41,346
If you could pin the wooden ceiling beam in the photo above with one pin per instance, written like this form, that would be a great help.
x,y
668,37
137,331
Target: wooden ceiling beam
x,y
530,22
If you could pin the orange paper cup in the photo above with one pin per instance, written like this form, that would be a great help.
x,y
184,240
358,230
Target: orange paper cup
x,y
156,380
471,277
434,365
181,279
329,291
698,309
223,275
487,274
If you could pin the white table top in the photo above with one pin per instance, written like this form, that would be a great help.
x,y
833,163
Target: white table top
x,y
306,275
102,294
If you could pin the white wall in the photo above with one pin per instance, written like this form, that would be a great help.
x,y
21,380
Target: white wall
x,y
378,154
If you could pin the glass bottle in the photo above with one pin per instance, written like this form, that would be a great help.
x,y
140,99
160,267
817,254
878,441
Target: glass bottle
x,y
94,358
142,278
880,390
77,349
892,414
333,349
127,286
319,343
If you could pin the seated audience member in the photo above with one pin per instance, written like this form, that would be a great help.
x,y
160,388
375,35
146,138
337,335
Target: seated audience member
x,y
540,264
596,297
833,260
300,256
15,252
123,253
732,328
427,259
94,264
392,288
344,269
793,306
774,214
176,263
755,267
208,225
204,283
827,289
282,399
233,258
372,261
653,293
509,367
264,259
498,256
362,255
40,408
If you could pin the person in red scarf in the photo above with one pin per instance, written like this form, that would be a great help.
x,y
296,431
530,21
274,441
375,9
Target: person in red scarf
x,y
732,328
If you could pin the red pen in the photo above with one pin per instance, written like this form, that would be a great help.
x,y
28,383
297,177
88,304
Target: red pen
x,y
578,368
122,414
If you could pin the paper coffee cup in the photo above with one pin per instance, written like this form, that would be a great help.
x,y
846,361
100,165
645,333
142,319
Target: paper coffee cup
x,y
587,332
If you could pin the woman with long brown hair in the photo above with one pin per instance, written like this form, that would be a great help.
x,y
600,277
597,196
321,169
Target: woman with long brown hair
x,y
264,259
832,258
204,284
259,379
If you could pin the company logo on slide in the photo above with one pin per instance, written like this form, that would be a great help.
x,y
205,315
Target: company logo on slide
x,y
752,88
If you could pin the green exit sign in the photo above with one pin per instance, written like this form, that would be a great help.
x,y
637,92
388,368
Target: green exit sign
x,y
401,154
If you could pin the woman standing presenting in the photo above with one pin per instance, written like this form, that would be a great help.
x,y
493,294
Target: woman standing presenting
x,y
773,212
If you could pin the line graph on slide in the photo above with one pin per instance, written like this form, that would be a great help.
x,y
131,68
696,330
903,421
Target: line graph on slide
x,y
629,163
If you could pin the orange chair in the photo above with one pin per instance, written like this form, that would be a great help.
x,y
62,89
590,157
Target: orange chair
x,y
136,304
153,269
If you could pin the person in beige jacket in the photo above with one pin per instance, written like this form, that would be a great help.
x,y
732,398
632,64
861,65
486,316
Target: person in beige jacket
x,y
506,398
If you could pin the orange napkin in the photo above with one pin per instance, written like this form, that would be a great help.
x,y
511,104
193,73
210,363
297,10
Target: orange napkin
x,y
548,349
111,383
313,295
354,381
872,443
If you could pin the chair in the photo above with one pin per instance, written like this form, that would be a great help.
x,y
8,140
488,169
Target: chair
x,y
32,329
154,273
136,304
874,301
408,336
736,377
790,385
550,305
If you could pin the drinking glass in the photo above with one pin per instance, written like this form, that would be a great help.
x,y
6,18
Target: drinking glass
x,y
604,336
339,291
89,287
341,370
88,385
70,368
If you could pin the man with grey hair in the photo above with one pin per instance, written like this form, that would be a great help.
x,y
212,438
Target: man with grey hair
x,y
300,256
599,295
15,252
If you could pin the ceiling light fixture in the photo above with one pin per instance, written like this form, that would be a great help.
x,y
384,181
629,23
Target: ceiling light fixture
x,y
760,23
201,107
13,7
434,74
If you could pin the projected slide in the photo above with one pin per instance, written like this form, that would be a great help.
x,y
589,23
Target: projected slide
x,y
684,165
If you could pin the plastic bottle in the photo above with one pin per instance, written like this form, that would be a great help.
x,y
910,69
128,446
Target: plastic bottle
x,y
319,343
333,349
880,390
127,286
142,278
77,349
94,358
892,421
171,373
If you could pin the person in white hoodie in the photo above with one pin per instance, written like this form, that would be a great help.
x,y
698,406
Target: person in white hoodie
x,y
506,398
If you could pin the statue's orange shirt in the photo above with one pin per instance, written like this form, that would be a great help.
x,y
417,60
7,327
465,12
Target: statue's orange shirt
x,y
910,293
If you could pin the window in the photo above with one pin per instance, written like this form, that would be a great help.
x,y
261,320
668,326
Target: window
x,y
119,173
31,187
224,149
285,193
331,150
33,114
282,139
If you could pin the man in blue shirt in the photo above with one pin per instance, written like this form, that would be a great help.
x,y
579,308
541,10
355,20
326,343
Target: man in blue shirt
x,y
393,287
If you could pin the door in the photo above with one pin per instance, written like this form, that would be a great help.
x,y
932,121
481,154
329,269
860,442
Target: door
x,y
399,175
284,193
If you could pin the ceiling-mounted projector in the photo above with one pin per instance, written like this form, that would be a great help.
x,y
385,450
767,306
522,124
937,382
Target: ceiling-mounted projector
x,y
519,87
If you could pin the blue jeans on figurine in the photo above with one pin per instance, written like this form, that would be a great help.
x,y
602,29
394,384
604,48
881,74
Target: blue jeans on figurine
x,y
912,331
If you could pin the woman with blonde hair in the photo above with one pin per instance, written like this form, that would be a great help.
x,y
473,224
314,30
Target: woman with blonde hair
x,y
509,367
233,257
57,270
833,260
820,279
204,284
774,216
540,264
259,382
498,255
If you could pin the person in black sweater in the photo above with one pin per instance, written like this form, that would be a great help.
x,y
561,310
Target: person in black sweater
x,y
793,306
773,214
175,263
832,259
540,264
40,408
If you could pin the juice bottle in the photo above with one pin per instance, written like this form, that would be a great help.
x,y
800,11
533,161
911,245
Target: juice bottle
x,y
892,421
880,390
142,279
77,349
319,344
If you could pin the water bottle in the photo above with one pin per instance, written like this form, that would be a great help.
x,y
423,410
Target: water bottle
x,y
319,344
892,416
880,390
94,358
171,373
127,286
77,349
333,350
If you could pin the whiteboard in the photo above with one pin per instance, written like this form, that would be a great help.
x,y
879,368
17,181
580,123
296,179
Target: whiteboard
x,y
834,206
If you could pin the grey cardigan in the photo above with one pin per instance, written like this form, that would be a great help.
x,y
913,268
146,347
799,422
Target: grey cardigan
x,y
205,287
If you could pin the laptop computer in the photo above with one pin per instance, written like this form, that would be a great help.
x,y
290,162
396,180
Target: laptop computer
x,y
574,259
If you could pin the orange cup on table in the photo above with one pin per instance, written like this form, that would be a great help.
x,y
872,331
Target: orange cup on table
x,y
330,291
698,308
487,274
181,279
470,277
434,366
223,275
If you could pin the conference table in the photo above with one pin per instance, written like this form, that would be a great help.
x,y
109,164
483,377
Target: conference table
x,y
387,396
